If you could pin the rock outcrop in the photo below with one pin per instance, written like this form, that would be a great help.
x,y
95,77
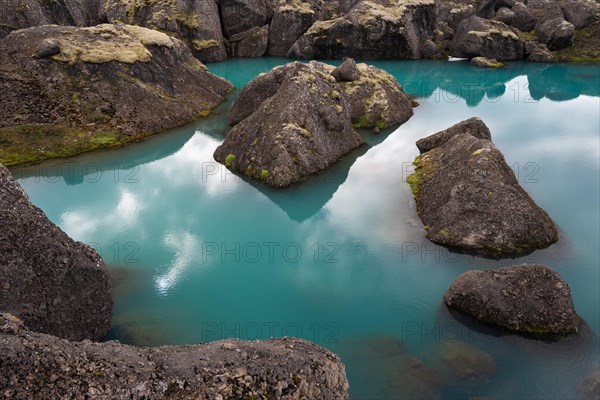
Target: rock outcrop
x,y
19,14
297,119
394,29
36,365
527,298
476,36
67,90
52,283
251,43
469,199
195,22
298,125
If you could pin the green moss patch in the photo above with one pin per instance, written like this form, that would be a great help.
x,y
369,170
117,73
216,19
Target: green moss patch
x,y
37,142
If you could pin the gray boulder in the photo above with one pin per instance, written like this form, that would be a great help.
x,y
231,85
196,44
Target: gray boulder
x,y
526,298
19,14
36,365
108,85
347,71
556,33
476,36
242,15
195,22
544,10
291,19
469,199
483,62
376,99
524,20
252,43
506,15
393,30
540,53
580,13
52,283
301,129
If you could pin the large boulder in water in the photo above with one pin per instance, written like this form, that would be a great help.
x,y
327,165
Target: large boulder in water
x,y
52,283
297,119
301,126
40,366
394,29
476,36
526,298
196,22
67,90
469,199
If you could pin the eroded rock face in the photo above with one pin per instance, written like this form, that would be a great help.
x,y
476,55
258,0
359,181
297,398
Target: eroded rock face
x,y
46,367
300,129
52,283
469,199
19,14
526,298
297,119
195,22
96,87
291,19
370,30
476,36
251,43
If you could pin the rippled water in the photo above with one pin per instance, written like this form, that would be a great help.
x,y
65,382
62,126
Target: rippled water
x,y
199,254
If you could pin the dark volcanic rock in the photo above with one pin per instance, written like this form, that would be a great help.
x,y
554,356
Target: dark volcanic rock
x,y
252,43
242,15
492,39
108,85
524,19
19,14
376,99
506,15
36,365
54,284
580,13
469,199
526,298
544,10
556,33
291,19
195,22
541,54
371,30
347,71
301,129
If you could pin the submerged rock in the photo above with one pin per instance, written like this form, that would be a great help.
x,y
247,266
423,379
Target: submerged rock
x,y
526,298
463,365
107,85
299,130
589,386
46,367
52,283
476,36
392,29
469,199
196,22
297,120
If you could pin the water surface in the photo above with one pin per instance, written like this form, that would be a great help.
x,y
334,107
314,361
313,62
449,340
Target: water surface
x,y
199,254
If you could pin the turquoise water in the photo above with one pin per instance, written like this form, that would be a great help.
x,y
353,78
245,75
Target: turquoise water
x,y
199,254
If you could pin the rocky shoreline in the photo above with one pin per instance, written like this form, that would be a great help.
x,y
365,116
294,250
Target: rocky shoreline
x,y
535,30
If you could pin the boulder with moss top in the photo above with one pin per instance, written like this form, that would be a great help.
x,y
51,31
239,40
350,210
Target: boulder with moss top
x,y
395,29
476,36
527,298
195,22
470,199
298,124
36,365
89,88
52,283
